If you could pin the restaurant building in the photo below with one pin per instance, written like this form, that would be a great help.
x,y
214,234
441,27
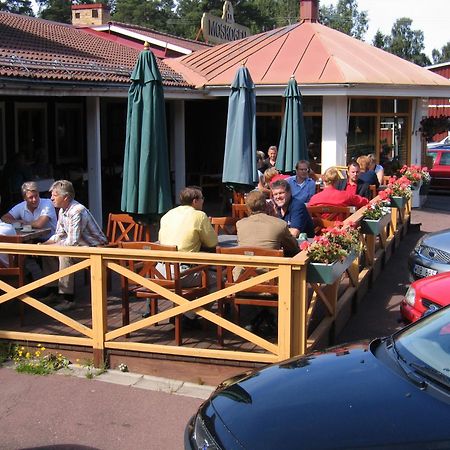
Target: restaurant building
x,y
63,95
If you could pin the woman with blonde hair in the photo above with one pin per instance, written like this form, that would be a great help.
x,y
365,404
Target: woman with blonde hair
x,y
377,168
367,175
330,196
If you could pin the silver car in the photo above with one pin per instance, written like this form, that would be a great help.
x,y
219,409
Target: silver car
x,y
431,255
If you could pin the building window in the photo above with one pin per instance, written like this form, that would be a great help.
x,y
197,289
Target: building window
x,y
381,127
69,133
77,15
95,13
31,129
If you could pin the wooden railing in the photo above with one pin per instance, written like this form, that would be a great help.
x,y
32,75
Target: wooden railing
x,y
300,328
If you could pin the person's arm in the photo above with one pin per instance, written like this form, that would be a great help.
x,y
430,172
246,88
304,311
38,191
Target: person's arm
x,y
208,237
380,175
358,201
9,218
299,220
311,189
43,221
289,243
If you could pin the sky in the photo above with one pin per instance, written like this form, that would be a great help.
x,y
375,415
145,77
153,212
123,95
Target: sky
x,y
430,16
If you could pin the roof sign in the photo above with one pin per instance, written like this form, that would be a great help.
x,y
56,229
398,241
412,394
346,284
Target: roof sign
x,y
218,30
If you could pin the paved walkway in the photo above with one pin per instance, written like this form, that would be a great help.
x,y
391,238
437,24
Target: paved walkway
x,y
131,411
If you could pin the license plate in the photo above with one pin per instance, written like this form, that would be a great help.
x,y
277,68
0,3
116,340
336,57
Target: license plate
x,y
421,271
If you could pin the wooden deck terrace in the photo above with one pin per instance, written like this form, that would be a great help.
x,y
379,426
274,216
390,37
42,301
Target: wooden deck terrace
x,y
309,314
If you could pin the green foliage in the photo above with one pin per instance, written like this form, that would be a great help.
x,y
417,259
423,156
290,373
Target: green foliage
x,y
38,362
407,43
441,56
379,40
345,17
153,14
6,351
17,6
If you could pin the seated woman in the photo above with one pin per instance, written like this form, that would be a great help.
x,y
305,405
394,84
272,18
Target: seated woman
x,y
330,196
377,168
367,175
270,175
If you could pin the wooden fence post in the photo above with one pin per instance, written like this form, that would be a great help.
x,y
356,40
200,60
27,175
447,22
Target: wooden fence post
x,y
99,313
299,297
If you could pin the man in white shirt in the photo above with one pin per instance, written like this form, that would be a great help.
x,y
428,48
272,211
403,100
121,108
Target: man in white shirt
x,y
39,213
35,211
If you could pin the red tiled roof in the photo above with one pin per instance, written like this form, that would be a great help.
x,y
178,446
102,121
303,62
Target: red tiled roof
x,y
182,42
312,52
39,49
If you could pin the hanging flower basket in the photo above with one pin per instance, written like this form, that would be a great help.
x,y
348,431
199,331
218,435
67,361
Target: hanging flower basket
x,y
328,273
375,226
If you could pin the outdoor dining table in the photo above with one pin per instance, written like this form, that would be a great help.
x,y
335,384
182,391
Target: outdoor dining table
x,y
227,240
29,237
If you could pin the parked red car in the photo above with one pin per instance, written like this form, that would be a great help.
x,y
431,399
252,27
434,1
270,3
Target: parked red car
x,y
440,172
425,295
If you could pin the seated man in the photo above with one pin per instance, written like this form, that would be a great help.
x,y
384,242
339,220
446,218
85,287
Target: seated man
x,y
39,213
262,230
35,211
353,184
302,186
291,210
189,228
76,227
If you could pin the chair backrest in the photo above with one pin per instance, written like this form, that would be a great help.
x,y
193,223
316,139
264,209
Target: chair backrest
x,y
231,276
239,211
372,191
325,216
224,225
238,198
16,263
149,269
123,228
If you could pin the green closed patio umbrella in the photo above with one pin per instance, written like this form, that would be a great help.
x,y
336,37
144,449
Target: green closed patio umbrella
x,y
146,177
239,163
292,147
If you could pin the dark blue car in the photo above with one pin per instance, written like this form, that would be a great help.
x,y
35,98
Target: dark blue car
x,y
390,393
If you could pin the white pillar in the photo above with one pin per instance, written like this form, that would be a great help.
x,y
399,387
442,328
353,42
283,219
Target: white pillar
x,y
419,111
94,157
178,144
334,132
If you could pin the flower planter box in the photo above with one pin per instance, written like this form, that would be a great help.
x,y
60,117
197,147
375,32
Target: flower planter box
x,y
328,273
370,226
398,202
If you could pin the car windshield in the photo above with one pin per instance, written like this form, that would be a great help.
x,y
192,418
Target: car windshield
x,y
425,346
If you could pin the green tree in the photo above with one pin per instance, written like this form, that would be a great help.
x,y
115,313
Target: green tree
x,y
379,40
17,7
441,56
407,43
345,17
156,14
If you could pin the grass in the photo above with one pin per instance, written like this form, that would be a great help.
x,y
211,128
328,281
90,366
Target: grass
x,y
38,361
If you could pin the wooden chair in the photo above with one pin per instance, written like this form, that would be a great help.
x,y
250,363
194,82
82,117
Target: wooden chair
x,y
326,216
239,211
263,295
373,191
238,198
224,225
168,275
123,228
14,273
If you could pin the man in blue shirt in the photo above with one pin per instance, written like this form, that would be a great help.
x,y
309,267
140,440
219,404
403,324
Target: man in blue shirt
x,y
291,210
302,186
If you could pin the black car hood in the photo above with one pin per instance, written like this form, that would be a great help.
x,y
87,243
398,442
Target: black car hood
x,y
344,398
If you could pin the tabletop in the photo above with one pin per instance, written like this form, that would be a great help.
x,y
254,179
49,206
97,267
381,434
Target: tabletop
x,y
36,234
